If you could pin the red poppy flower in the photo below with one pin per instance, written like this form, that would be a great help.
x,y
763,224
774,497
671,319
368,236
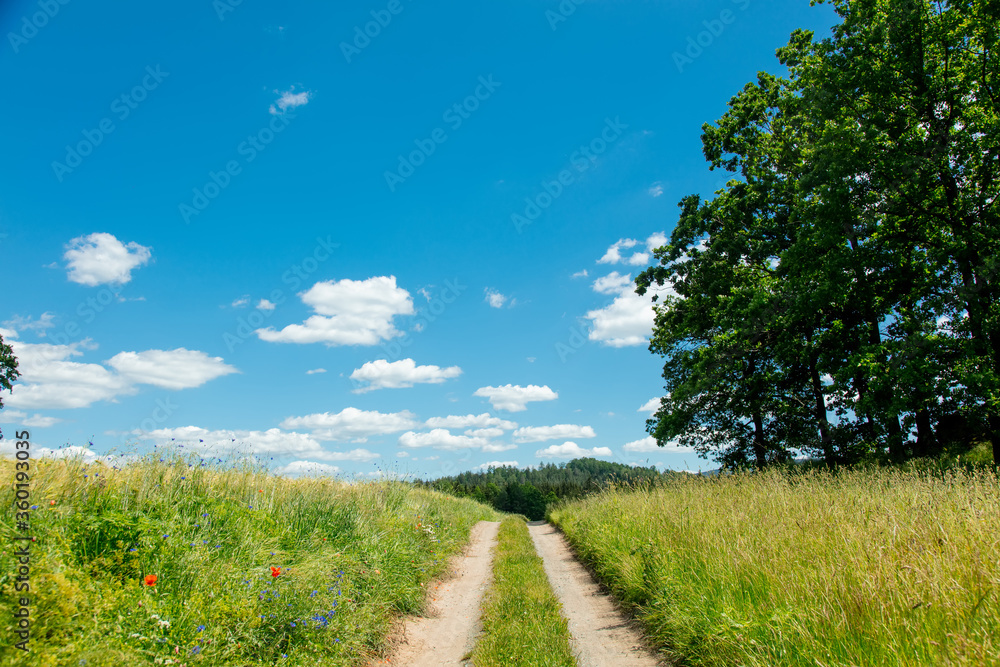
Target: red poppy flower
x,y
275,571
150,580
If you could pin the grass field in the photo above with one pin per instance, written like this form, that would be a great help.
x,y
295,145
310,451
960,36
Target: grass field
x,y
250,569
881,568
522,623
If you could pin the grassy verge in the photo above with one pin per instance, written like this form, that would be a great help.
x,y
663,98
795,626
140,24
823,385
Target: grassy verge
x,y
522,623
250,569
862,568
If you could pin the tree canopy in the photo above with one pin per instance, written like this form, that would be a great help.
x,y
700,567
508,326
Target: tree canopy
x,y
838,297
8,368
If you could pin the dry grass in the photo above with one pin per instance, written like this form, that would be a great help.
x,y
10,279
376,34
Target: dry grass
x,y
861,568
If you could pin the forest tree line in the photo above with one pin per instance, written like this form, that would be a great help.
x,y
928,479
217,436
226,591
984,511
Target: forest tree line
x,y
838,297
529,491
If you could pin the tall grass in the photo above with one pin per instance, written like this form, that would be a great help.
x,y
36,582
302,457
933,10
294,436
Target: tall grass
x,y
522,621
860,568
351,558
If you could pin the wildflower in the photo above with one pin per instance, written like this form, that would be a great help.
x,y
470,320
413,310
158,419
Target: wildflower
x,y
201,628
150,579
52,502
275,571
164,623
34,507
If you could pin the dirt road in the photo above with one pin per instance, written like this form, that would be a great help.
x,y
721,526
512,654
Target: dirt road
x,y
448,633
601,636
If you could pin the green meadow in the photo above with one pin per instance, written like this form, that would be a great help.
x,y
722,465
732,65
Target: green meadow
x,y
179,563
868,567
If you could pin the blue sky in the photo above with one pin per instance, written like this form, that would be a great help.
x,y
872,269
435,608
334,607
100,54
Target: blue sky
x,y
354,236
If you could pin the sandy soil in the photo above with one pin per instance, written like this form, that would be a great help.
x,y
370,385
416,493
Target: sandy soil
x,y
449,630
602,636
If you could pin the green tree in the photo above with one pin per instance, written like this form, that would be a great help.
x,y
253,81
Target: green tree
x,y
853,265
8,368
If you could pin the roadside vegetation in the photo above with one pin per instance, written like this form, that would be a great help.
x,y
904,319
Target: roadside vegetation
x,y
883,567
170,561
522,622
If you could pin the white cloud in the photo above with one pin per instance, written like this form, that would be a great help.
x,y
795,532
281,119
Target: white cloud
x,y
557,432
316,370
656,240
495,298
241,302
613,253
497,447
24,419
465,421
514,398
272,442
44,322
307,469
656,189
626,321
382,374
485,432
100,259
264,304
402,455
496,464
648,444
170,369
650,406
580,274
440,438
613,283
570,450
352,424
348,312
8,449
50,381
289,100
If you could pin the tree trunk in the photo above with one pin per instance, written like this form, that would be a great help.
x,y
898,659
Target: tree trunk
x,y
926,441
821,416
759,443
994,422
